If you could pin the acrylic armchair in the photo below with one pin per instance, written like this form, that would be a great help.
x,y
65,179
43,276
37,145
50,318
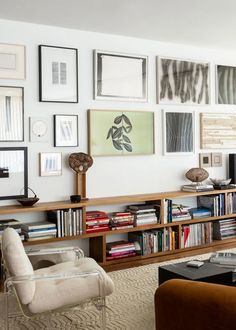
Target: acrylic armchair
x,y
66,284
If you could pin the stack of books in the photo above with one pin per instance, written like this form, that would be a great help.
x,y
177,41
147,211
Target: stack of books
x,y
144,214
224,229
120,249
39,230
15,224
121,220
96,221
199,212
197,188
180,212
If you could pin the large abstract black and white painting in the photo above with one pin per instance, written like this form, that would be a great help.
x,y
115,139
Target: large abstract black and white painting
x,y
226,84
182,82
178,132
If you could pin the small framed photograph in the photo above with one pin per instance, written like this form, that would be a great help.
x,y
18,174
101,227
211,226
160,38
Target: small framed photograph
x,y
50,164
225,84
11,114
178,133
58,74
12,61
216,159
120,76
65,130
205,160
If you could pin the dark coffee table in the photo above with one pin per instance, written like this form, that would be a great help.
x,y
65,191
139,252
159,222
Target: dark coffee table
x,y
209,272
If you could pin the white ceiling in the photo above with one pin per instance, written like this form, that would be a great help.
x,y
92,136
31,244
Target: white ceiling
x,y
196,22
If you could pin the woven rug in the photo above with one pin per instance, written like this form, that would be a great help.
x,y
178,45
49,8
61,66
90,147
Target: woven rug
x,y
130,307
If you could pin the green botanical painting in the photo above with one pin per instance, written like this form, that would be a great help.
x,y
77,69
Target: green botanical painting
x,y
121,132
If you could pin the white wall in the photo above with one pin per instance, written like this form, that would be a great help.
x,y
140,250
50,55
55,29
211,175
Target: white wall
x,y
109,175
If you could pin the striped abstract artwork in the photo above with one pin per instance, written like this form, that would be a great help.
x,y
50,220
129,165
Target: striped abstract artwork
x,y
182,82
226,79
179,132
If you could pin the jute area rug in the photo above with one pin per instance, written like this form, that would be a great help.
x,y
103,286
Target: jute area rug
x,y
130,307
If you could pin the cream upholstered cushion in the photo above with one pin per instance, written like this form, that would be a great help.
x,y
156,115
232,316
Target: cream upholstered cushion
x,y
18,263
54,294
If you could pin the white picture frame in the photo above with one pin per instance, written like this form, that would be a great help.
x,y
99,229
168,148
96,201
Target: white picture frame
x,y
50,163
12,61
39,129
66,130
120,77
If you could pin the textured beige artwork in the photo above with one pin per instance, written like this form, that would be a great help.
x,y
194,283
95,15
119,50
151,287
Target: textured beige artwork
x,y
218,130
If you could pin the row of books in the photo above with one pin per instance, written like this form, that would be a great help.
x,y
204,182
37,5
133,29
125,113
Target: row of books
x,y
224,229
215,203
231,203
196,234
120,249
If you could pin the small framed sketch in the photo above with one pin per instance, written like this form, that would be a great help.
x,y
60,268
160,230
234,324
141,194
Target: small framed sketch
x,y
205,160
12,61
118,133
225,84
178,133
216,159
58,74
120,76
50,164
11,114
182,82
65,130
39,129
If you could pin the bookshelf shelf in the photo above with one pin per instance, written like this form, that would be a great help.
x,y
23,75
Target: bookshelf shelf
x,y
97,240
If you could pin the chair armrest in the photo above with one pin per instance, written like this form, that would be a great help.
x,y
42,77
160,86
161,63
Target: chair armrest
x,y
57,250
182,304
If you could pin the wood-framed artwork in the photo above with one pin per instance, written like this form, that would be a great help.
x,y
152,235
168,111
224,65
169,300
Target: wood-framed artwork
x,y
225,84
13,172
216,159
58,74
179,129
50,164
205,160
182,82
12,61
217,130
65,130
114,132
120,77
11,114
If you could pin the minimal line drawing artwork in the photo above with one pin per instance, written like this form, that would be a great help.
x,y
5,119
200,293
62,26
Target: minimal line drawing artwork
x,y
226,84
183,82
65,130
12,61
178,135
50,163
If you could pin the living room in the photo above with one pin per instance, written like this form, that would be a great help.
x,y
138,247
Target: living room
x,y
99,41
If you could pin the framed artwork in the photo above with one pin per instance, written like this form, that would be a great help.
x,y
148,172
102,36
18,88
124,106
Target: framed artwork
x,y
178,132
13,172
12,61
50,164
216,159
217,130
120,132
182,82
120,76
39,129
65,130
205,160
58,74
225,84
11,114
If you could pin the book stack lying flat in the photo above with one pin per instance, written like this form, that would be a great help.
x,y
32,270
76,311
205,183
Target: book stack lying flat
x,y
224,229
96,221
121,220
180,212
197,188
144,214
39,230
200,212
15,224
120,249
224,259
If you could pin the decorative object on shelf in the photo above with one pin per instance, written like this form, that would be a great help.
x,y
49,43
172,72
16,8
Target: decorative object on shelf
x,y
39,129
28,201
182,82
120,76
216,159
205,160
80,163
75,198
226,80
178,132
13,172
11,114
220,182
120,132
58,74
12,61
197,175
218,130
65,130
50,164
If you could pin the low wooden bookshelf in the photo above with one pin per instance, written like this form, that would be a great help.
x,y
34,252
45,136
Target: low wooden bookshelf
x,y
97,241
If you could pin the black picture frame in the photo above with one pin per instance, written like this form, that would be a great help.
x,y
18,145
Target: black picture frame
x,y
12,114
66,130
58,74
14,171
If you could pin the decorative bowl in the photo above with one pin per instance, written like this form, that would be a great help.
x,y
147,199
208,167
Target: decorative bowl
x,y
220,182
30,201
